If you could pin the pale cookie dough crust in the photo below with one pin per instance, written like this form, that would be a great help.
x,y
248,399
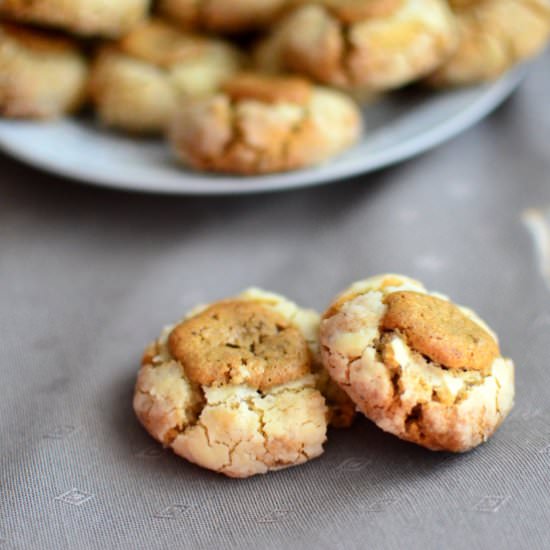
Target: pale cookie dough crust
x,y
403,390
233,430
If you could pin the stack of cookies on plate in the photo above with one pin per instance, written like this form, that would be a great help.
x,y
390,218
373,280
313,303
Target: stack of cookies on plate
x,y
250,86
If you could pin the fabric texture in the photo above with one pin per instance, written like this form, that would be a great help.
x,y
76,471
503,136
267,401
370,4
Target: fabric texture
x,y
89,276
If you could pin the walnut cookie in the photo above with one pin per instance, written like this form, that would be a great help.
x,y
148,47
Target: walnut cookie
x,y
375,46
260,124
419,366
236,386
494,35
137,82
42,75
87,17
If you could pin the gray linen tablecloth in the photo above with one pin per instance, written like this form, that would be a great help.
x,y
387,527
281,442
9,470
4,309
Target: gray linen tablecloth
x,y
89,276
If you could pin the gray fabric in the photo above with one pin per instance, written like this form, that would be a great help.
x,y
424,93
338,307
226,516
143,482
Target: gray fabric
x,y
88,277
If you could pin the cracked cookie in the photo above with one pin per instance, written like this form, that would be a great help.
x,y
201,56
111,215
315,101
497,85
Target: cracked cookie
x,y
419,366
372,46
137,82
261,124
494,35
221,15
236,387
42,75
87,17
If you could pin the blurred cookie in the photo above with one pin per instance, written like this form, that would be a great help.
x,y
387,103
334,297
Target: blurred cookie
x,y
494,35
41,75
419,366
234,387
262,124
377,45
221,15
86,17
137,82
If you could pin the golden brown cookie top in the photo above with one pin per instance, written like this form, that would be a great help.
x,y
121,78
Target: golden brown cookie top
x,y
354,11
268,89
440,330
240,342
37,40
159,43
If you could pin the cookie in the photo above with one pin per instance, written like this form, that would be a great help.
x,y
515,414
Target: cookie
x,y
262,124
137,82
236,387
373,46
43,75
221,15
494,35
419,366
86,17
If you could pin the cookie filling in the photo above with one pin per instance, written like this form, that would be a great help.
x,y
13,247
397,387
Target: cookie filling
x,y
268,89
440,331
240,342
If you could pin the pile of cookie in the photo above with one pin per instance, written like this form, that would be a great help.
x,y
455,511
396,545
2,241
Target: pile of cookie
x,y
250,86
250,384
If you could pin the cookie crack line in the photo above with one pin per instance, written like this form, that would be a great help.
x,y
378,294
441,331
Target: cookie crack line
x,y
147,394
226,465
260,413
190,411
238,136
293,132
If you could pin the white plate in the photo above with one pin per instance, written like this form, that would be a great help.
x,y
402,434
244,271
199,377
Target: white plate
x,y
399,127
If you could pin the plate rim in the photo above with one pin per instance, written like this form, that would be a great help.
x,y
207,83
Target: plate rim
x,y
490,100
